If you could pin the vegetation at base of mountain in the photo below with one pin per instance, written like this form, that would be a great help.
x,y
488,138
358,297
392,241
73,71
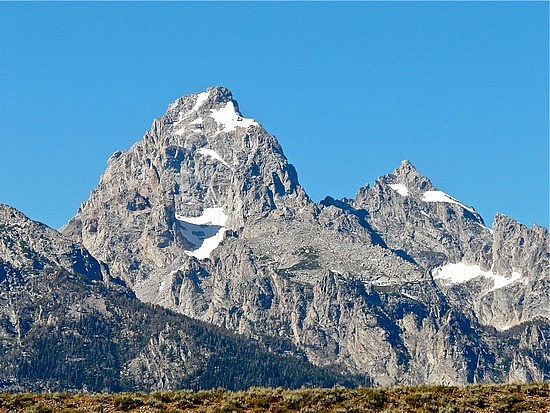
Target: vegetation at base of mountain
x,y
93,350
63,329
534,397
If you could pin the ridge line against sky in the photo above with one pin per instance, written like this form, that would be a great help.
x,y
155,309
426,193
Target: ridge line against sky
x,y
349,90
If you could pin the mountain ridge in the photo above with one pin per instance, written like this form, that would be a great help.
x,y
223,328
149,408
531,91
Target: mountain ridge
x,y
64,328
403,283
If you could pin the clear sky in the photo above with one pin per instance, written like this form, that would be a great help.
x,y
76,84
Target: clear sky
x,y
349,89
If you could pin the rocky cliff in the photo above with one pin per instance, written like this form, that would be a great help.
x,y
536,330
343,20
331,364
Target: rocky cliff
x,y
404,283
66,325
502,273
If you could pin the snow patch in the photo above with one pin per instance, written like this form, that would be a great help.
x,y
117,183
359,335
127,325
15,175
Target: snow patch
x,y
502,281
400,188
161,285
204,232
201,98
180,131
409,296
484,227
460,273
228,117
440,196
212,154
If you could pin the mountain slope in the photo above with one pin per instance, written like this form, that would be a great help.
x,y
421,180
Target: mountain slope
x,y
64,325
503,273
206,216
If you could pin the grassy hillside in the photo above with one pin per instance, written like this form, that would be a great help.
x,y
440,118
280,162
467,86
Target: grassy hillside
x,y
441,399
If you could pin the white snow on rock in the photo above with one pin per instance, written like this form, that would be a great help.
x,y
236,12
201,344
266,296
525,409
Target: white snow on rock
x,y
409,296
204,232
180,131
228,117
213,154
400,188
440,196
161,285
197,122
201,98
484,227
460,272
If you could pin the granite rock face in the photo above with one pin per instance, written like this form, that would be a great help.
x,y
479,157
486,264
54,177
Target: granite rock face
x,y
66,325
503,273
403,284
201,156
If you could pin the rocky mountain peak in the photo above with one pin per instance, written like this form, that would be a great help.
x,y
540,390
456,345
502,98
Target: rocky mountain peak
x,y
407,178
405,168
205,216
201,170
201,102
38,248
219,94
216,104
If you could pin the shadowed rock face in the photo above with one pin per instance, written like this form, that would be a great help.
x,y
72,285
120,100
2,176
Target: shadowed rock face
x,y
206,216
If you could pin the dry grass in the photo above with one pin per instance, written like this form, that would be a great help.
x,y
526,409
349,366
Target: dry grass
x,y
438,399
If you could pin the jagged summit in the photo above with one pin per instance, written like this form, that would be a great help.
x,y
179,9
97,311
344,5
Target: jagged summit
x,y
408,178
201,170
405,180
210,97
411,215
405,168
213,96
213,110
205,216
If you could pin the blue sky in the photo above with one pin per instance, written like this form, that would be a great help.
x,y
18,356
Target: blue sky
x,y
349,89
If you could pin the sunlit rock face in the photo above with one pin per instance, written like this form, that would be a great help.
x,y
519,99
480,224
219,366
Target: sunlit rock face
x,y
404,283
66,325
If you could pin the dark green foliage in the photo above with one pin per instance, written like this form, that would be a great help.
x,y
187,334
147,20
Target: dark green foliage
x,y
73,354
127,402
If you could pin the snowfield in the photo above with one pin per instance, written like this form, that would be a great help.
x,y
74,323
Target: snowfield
x,y
460,273
204,232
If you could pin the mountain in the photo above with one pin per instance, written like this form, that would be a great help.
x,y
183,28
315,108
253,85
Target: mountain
x,y
403,283
502,272
205,217
66,324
